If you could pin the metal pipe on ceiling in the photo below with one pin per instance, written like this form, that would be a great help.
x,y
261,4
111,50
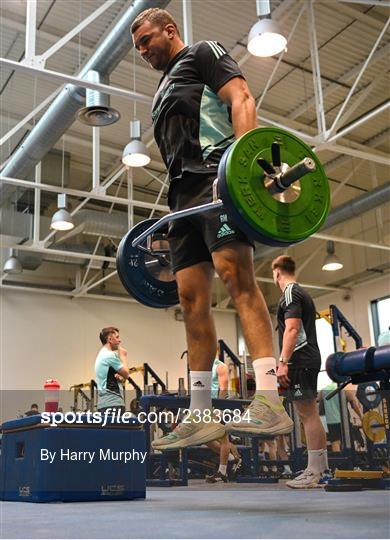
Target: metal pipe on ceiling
x,y
358,206
61,113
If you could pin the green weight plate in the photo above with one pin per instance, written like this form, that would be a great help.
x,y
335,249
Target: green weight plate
x,y
264,214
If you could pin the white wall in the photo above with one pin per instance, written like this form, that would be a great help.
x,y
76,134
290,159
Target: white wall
x,y
45,336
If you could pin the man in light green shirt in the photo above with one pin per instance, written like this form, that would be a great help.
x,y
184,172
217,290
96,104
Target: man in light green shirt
x,y
110,368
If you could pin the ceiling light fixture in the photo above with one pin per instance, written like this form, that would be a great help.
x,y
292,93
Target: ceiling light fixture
x,y
331,262
62,220
12,265
265,37
136,153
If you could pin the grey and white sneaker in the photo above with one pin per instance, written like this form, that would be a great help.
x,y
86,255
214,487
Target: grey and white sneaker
x,y
262,418
306,480
190,433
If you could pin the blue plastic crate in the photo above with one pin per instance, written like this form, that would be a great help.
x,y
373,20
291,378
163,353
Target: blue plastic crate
x,y
89,462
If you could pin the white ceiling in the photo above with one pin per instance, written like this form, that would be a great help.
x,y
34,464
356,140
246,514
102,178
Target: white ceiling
x,y
346,33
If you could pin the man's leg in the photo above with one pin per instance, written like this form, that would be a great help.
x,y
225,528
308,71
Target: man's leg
x,y
283,455
194,287
316,445
335,437
224,450
234,264
272,454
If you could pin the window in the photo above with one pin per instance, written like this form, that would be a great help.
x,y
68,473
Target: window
x,y
380,311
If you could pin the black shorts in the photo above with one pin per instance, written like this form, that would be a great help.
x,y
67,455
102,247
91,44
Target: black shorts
x,y
303,383
334,432
194,238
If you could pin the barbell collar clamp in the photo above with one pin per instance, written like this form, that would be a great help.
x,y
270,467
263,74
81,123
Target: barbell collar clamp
x,y
175,216
283,181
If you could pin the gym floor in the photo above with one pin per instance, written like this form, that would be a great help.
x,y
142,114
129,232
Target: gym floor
x,y
197,511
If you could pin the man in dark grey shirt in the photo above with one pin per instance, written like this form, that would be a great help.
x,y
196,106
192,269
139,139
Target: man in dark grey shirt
x,y
299,365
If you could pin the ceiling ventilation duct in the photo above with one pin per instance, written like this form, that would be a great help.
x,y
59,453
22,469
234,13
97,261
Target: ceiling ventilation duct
x,y
61,113
96,223
97,111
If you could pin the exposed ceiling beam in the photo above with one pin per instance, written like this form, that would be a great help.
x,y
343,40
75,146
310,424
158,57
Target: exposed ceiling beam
x,y
351,241
79,193
355,13
62,78
59,252
365,153
370,143
332,88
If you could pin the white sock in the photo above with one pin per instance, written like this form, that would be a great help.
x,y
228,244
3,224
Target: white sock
x,y
266,381
222,469
200,390
287,469
325,464
316,460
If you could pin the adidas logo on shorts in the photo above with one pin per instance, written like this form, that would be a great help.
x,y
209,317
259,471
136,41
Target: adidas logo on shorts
x,y
271,372
198,384
225,230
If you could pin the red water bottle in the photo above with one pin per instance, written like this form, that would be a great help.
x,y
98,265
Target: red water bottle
x,y
52,395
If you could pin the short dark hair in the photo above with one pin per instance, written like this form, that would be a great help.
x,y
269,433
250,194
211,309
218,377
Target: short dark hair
x,y
156,16
285,263
103,336
33,406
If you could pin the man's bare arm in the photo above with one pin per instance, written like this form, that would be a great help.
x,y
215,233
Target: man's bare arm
x,y
236,93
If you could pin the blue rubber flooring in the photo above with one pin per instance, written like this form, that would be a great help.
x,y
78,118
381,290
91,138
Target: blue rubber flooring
x,y
247,511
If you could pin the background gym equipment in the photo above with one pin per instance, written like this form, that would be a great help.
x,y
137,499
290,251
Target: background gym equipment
x,y
373,426
157,386
26,478
341,328
272,185
81,400
368,395
361,366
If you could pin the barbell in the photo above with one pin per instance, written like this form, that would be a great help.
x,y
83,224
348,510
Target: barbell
x,y
259,184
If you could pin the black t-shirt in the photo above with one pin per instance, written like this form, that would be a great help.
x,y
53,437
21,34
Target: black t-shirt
x,y
192,126
297,303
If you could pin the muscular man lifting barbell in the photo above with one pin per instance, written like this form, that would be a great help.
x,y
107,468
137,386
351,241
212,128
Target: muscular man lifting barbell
x,y
202,104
